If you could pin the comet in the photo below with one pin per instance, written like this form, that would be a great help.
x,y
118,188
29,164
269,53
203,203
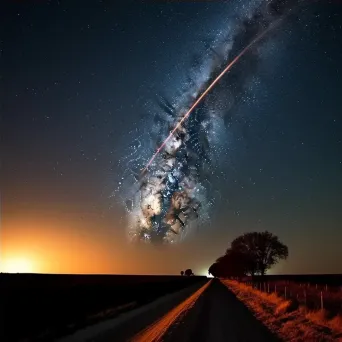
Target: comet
x,y
203,95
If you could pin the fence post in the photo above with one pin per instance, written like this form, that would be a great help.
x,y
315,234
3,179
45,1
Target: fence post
x,y
305,300
322,306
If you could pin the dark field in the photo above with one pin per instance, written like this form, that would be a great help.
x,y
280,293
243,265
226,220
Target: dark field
x,y
37,307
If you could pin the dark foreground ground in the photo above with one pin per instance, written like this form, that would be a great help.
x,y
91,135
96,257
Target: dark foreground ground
x,y
202,313
41,307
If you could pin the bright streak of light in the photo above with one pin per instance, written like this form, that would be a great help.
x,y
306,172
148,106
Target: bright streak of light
x,y
228,67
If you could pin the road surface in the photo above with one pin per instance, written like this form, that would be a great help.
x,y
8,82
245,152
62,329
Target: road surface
x,y
206,312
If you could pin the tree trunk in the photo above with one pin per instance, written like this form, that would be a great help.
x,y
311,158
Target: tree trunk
x,y
263,271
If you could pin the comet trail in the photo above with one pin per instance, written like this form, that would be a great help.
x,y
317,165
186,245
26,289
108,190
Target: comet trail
x,y
228,67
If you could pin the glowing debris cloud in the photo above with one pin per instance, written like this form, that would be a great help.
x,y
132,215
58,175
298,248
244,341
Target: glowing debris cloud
x,y
169,198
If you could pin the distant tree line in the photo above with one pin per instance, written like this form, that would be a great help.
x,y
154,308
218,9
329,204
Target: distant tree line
x,y
187,272
248,255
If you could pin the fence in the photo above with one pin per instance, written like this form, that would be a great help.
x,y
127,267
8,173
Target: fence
x,y
313,296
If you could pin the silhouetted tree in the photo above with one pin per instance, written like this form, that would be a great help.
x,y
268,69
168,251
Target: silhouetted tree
x,y
235,263
232,264
249,254
188,272
262,250
246,245
182,273
214,270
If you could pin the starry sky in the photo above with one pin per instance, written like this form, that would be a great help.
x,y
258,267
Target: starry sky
x,y
78,83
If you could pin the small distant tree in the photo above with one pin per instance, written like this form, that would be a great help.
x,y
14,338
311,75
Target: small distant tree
x,y
188,272
182,273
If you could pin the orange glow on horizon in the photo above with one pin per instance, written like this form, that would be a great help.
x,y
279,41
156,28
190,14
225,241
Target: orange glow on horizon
x,y
39,246
17,265
60,244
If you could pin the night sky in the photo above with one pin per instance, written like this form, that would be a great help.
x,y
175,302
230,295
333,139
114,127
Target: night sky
x,y
78,87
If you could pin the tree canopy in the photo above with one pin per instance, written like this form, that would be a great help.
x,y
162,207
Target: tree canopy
x,y
188,272
250,254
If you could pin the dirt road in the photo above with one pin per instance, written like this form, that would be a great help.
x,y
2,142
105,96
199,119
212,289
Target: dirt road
x,y
208,313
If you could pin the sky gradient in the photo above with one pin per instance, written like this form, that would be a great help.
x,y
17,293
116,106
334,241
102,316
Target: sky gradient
x,y
75,84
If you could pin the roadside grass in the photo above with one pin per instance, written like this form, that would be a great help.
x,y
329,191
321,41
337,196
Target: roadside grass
x,y
289,319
